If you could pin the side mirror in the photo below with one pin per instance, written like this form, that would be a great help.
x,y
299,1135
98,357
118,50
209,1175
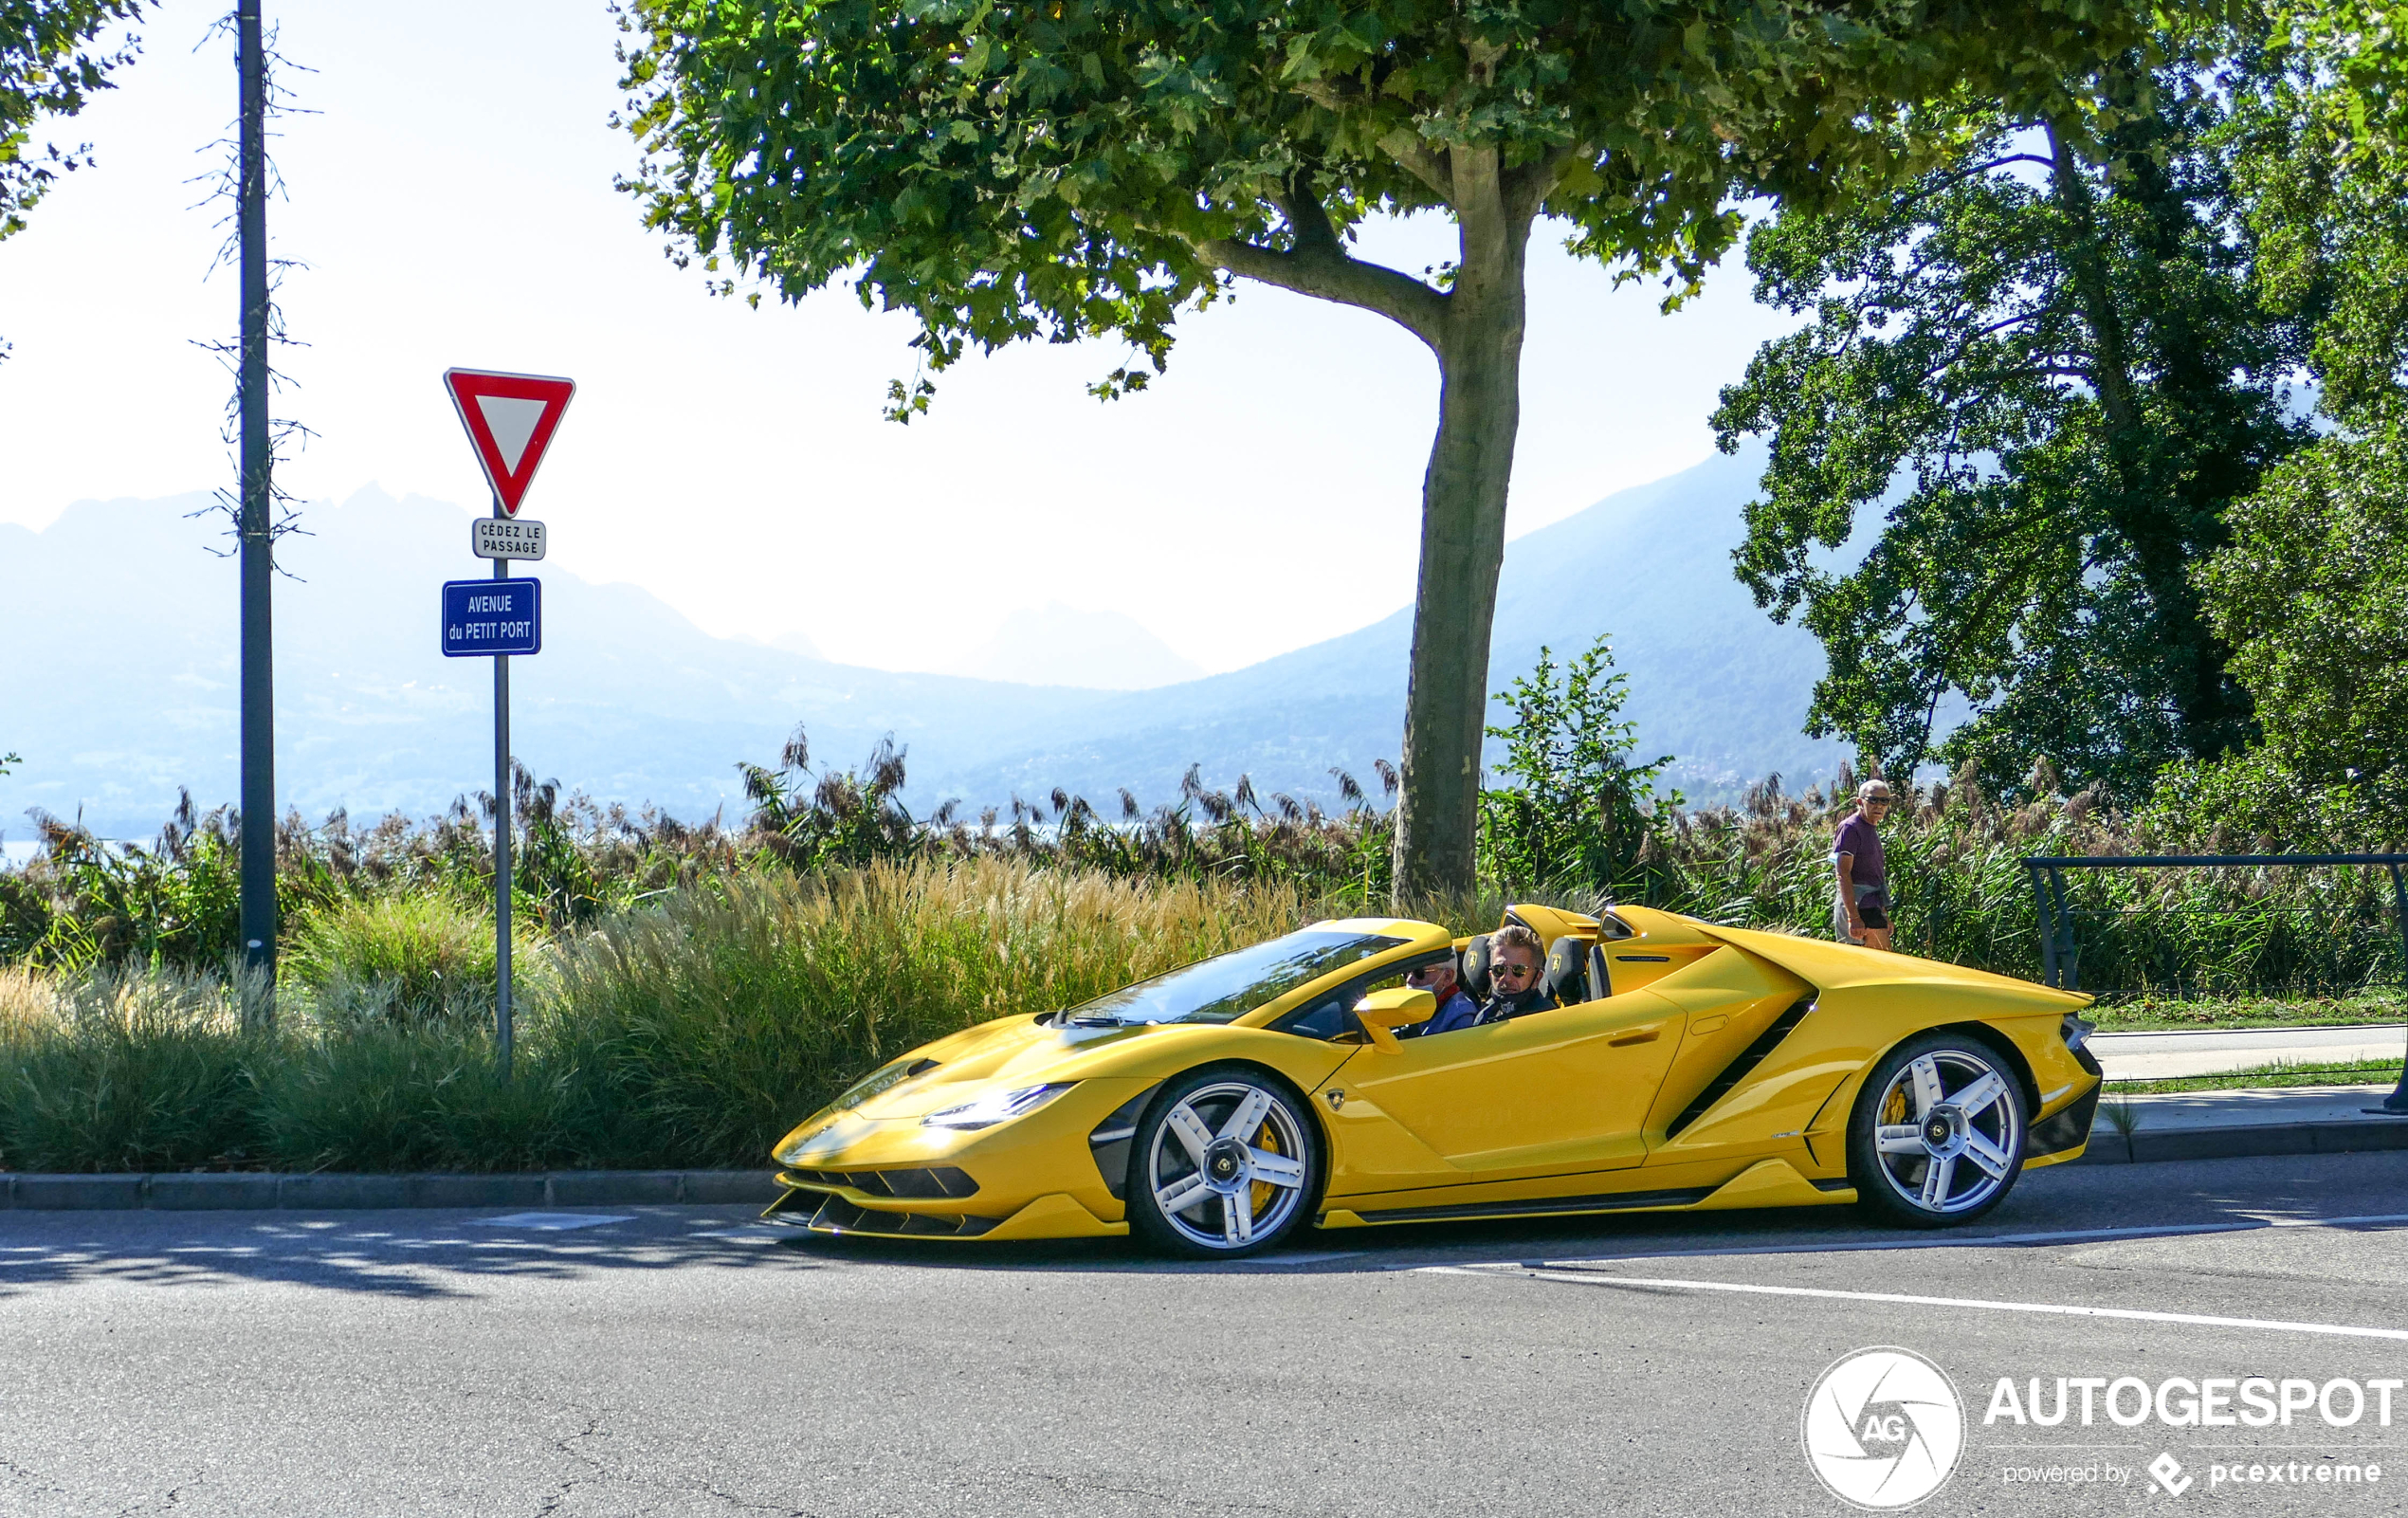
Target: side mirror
x,y
1383,1011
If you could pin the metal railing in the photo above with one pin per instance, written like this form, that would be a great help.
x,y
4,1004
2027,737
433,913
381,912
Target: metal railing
x,y
2061,956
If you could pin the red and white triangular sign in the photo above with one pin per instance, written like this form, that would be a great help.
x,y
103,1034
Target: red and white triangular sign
x,y
510,420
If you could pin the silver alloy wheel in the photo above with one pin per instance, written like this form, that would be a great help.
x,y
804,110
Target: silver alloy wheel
x,y
1227,1164
1948,1131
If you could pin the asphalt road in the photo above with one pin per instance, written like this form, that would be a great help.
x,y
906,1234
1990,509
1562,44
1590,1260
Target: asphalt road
x,y
677,1361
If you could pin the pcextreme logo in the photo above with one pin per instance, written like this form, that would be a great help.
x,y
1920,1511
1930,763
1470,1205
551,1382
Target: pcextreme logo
x,y
1882,1428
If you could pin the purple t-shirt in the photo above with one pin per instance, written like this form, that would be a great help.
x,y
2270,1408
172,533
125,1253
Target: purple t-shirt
x,y
1857,837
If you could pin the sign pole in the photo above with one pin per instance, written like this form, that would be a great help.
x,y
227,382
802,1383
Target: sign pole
x,y
510,419
501,837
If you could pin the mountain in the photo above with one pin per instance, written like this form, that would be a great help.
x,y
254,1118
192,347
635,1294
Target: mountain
x,y
1059,645
1713,680
120,680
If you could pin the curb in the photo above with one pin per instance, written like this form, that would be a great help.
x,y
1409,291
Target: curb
x,y
266,1190
2146,1147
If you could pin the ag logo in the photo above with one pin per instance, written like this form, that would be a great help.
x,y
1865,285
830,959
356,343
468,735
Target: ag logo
x,y
1882,1428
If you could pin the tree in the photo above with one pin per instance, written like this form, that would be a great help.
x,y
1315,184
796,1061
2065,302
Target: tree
x,y
2312,593
1577,811
53,59
1084,168
2047,371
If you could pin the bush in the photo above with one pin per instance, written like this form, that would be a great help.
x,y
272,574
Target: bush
x,y
397,1096
416,958
694,1032
132,1070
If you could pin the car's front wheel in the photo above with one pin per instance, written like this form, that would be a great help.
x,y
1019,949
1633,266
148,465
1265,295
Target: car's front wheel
x,y
1225,1163
1938,1134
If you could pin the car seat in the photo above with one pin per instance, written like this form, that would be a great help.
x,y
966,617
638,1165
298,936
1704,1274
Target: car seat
x,y
1572,972
1471,968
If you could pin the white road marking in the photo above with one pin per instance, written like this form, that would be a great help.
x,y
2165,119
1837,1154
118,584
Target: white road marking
x,y
1903,1299
553,1222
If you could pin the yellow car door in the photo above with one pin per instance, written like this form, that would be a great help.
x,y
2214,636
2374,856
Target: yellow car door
x,y
1561,1090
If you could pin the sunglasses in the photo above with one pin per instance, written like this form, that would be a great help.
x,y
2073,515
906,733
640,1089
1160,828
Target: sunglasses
x,y
1502,970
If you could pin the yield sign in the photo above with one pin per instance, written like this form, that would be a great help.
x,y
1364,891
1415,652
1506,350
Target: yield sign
x,y
510,419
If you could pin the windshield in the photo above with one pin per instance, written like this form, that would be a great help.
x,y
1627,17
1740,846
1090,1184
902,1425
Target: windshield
x,y
1227,988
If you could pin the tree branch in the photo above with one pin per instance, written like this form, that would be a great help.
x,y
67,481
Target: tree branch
x,y
1418,159
1326,273
1404,145
1527,188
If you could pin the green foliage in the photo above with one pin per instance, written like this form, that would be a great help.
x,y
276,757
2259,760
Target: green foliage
x,y
687,1032
1578,813
694,1029
55,55
2312,593
132,1069
385,1096
2308,590
417,958
1061,172
847,817
175,902
2046,370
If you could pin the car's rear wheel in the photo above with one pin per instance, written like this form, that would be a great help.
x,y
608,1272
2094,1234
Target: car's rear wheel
x,y
1938,1134
1226,1164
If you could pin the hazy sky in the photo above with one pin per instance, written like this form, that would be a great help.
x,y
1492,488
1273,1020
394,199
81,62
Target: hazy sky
x,y
454,203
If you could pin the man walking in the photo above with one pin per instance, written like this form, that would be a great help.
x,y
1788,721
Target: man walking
x,y
1861,912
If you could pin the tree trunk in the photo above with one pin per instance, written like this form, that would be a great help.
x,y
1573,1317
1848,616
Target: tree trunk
x,y
1463,519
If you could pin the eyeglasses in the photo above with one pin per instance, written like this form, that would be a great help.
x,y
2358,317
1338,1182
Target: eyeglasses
x,y
1423,976
1507,967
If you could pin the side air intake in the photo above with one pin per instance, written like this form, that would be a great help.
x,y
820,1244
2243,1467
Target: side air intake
x,y
1739,1069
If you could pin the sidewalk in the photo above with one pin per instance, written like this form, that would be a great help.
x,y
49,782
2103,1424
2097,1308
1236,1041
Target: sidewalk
x,y
2129,1056
2228,1124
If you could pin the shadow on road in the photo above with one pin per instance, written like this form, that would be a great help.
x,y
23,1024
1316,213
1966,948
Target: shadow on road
x,y
430,1255
421,1255
2201,1196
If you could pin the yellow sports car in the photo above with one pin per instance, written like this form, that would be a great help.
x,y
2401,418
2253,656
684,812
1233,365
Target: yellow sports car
x,y
1682,1066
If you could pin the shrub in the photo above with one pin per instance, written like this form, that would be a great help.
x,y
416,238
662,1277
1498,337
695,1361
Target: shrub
x,y
416,957
378,1096
694,1032
134,1071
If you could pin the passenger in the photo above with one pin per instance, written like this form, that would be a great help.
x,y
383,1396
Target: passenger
x,y
1516,986
1455,1010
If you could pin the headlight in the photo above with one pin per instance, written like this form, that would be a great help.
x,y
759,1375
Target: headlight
x,y
791,1153
998,1106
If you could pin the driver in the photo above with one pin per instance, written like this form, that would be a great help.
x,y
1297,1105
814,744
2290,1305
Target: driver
x,y
1515,959
1455,1009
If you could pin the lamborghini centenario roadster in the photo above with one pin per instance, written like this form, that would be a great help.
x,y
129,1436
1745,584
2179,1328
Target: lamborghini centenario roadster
x,y
1212,1110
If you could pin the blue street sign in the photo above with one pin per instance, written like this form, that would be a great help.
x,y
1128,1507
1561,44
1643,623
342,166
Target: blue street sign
x,y
488,617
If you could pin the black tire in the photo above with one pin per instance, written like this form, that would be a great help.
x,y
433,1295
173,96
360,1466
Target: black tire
x,y
1949,1161
1244,1192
